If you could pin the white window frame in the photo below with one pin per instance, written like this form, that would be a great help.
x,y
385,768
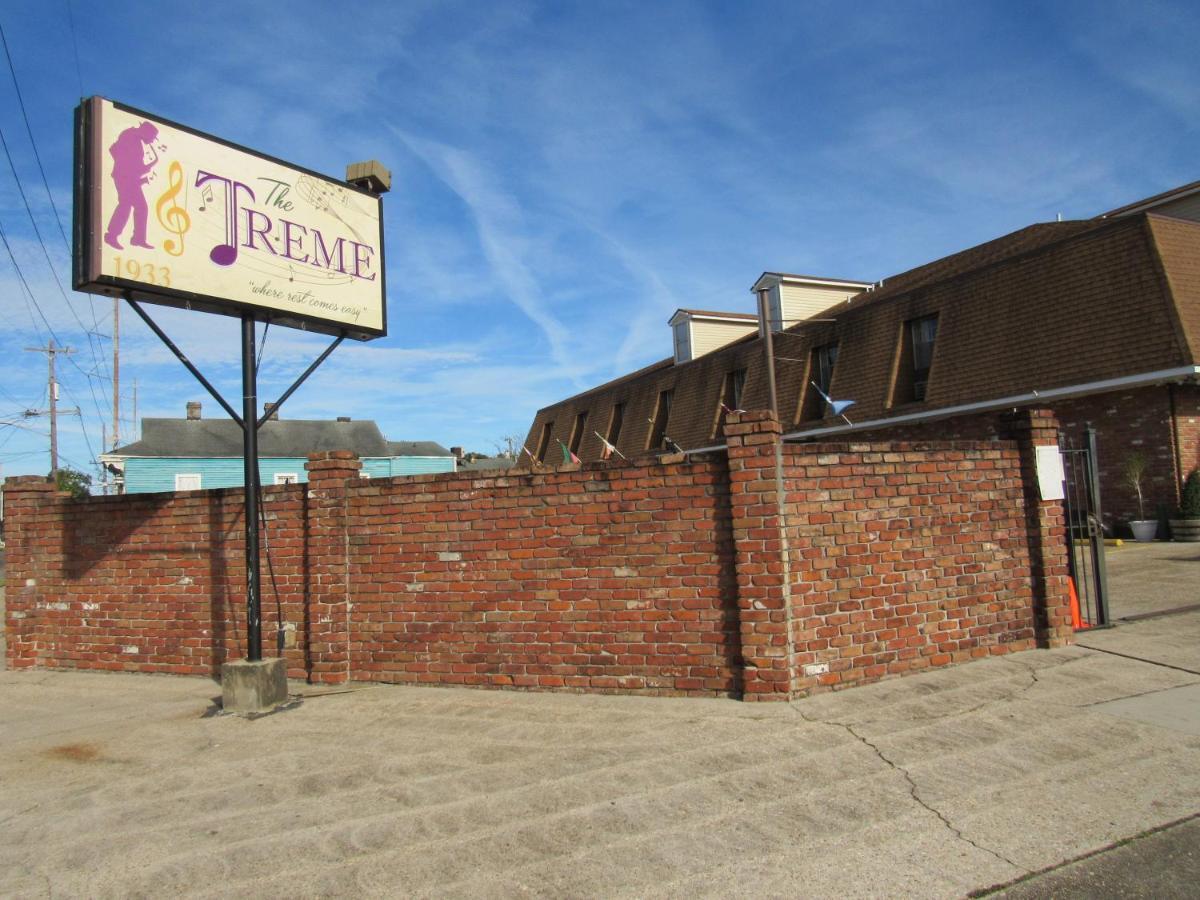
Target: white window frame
x,y
183,481
683,341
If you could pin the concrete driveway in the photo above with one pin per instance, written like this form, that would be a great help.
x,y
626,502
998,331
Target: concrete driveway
x,y
1145,579
930,786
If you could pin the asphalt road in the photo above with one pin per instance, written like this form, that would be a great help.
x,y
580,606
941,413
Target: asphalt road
x,y
1161,865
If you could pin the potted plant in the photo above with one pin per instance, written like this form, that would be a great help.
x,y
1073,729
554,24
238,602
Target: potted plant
x,y
1187,526
1135,470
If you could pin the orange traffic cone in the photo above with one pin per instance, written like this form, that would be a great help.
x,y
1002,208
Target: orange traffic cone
x,y
1076,619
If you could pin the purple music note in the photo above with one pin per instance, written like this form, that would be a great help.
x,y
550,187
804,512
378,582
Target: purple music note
x,y
226,254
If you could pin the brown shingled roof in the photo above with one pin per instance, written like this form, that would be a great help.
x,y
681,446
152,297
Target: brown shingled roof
x,y
1166,196
1178,243
1051,306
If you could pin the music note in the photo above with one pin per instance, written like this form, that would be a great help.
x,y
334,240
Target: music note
x,y
291,274
206,197
174,218
226,254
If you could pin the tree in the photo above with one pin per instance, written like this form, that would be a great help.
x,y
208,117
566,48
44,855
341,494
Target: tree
x,y
73,482
508,446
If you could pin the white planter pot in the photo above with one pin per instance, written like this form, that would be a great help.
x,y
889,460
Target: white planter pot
x,y
1144,529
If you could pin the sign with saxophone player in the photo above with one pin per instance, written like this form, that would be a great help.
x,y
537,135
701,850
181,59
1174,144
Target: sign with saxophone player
x,y
169,215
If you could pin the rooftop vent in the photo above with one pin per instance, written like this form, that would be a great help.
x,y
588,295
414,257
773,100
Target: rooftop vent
x,y
343,418
271,411
193,411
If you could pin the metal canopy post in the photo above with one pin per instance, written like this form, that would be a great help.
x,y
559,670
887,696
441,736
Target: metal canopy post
x,y
764,316
250,462
1098,565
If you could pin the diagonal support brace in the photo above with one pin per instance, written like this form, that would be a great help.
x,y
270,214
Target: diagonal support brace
x,y
162,336
299,381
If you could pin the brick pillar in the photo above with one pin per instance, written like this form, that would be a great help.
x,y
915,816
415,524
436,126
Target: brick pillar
x,y
29,508
760,553
327,574
1047,532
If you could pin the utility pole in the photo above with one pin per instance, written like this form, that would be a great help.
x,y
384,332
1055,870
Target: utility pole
x,y
51,351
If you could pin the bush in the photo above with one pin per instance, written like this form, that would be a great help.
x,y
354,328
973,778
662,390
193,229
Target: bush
x,y
1189,504
73,482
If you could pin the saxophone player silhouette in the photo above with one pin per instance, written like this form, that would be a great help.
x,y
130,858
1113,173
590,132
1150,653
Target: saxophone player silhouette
x,y
133,159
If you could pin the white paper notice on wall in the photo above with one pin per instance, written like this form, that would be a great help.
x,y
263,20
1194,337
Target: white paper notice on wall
x,y
1050,472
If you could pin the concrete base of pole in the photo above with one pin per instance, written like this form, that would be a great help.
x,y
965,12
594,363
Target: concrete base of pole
x,y
253,687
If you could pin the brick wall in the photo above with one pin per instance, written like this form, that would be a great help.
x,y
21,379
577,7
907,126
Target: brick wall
x,y
906,557
598,579
143,582
1162,422
710,576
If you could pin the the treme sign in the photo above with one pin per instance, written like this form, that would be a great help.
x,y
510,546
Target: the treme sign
x,y
169,215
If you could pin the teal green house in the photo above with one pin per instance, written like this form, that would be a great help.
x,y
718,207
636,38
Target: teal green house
x,y
196,453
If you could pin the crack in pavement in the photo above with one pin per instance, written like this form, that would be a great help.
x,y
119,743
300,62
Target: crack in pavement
x,y
913,790
19,813
938,717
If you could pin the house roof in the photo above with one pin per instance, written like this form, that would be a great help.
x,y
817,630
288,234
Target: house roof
x,y
710,314
769,279
1051,306
486,464
416,448
277,438
1178,193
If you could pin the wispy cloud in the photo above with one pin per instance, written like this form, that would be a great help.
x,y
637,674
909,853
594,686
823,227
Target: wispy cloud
x,y
503,236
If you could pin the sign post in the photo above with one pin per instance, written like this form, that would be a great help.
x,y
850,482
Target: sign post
x,y
168,215
250,469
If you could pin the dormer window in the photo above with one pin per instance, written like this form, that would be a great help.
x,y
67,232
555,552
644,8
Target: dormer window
x,y
544,441
578,431
696,332
615,420
915,359
923,333
662,414
731,397
820,378
683,341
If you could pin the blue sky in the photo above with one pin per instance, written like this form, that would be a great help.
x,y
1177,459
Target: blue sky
x,y
566,175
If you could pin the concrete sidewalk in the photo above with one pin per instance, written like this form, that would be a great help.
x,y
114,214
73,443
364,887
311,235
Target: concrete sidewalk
x,y
932,786
1145,579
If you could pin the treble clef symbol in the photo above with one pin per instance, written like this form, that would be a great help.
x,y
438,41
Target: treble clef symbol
x,y
174,218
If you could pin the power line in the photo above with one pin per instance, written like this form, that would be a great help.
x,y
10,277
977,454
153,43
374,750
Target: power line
x,y
75,47
28,130
45,182
45,250
96,361
30,297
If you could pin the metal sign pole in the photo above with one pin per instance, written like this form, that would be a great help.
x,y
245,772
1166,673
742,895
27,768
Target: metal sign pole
x,y
250,462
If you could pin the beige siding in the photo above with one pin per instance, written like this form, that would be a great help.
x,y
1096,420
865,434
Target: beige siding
x,y
710,336
802,301
1185,208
